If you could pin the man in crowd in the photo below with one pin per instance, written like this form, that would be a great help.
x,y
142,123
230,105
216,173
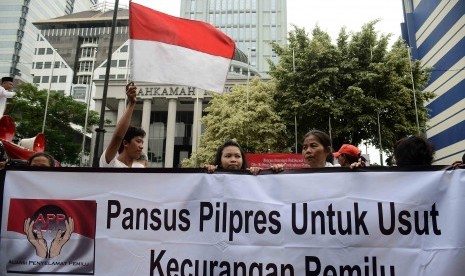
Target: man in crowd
x,y
7,84
127,142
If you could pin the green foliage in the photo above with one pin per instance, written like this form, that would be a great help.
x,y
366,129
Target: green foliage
x,y
251,120
63,142
348,83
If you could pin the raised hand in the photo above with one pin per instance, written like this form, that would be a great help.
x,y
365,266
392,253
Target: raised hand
x,y
131,92
61,238
37,240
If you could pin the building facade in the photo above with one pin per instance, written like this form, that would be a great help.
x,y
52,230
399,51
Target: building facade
x,y
19,34
71,57
435,31
252,24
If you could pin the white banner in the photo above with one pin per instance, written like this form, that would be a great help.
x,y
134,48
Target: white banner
x,y
155,223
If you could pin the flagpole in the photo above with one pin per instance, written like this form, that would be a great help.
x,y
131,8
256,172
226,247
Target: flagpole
x,y
379,124
89,96
100,131
195,134
413,89
48,92
127,71
295,115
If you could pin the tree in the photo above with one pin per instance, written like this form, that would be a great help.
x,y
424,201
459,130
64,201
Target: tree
x,y
63,142
246,114
347,84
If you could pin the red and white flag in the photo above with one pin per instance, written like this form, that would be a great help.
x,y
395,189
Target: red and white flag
x,y
171,50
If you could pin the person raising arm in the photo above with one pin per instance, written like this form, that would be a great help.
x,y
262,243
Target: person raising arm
x,y
127,142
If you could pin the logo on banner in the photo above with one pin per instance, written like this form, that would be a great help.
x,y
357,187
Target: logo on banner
x,y
51,236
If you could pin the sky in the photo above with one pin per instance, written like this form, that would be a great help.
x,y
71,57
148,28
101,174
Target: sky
x,y
330,16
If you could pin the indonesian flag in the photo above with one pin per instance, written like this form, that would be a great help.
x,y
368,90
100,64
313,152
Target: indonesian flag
x,y
170,50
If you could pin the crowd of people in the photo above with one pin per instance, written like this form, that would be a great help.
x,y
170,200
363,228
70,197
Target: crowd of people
x,y
125,149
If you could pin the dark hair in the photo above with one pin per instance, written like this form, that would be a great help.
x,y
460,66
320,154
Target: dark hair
x,y
413,151
350,159
50,159
219,153
322,137
330,158
5,79
131,133
463,158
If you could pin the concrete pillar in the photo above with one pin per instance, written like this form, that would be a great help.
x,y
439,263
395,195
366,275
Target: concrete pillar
x,y
121,109
170,133
146,111
196,125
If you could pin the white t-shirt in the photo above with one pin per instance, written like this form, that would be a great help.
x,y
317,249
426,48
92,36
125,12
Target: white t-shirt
x,y
4,94
115,163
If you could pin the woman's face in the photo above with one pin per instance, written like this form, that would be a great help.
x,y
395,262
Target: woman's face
x,y
341,159
231,158
314,152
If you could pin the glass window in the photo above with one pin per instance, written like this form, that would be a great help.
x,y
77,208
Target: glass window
x,y
39,65
254,4
49,51
212,5
41,51
235,33
120,76
114,63
36,79
236,5
62,79
79,93
192,6
236,19
254,33
54,79
122,63
124,49
47,65
45,79
273,19
57,64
